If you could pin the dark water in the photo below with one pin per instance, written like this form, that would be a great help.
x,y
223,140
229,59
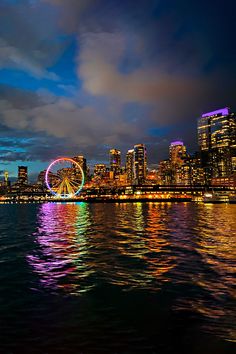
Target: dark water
x,y
118,278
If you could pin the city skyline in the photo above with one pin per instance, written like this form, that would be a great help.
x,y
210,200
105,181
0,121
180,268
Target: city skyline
x,y
105,158
117,160
214,163
73,81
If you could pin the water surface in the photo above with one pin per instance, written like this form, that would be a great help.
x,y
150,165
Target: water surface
x,y
118,278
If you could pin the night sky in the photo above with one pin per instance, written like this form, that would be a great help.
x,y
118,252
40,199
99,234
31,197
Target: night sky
x,y
83,76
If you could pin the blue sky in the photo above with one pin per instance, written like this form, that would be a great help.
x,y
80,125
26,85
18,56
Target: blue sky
x,y
80,77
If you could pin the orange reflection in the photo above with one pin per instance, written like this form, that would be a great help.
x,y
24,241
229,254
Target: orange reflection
x,y
215,244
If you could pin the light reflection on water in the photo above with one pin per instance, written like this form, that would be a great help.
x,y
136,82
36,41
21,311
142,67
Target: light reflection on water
x,y
61,236
188,249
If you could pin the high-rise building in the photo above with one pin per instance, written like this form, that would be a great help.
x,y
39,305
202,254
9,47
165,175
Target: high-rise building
x,y
177,155
81,160
41,177
100,170
140,163
130,166
191,171
164,172
115,161
177,152
217,142
51,177
22,175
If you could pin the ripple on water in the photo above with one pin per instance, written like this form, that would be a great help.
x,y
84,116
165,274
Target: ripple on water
x,y
171,258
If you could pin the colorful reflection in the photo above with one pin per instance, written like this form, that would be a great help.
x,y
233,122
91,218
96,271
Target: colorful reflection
x,y
188,249
132,252
62,246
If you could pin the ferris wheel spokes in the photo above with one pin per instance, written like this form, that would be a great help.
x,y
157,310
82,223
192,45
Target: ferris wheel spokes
x,y
65,182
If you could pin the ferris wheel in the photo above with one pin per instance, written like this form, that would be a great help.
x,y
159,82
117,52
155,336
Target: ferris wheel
x,y
64,178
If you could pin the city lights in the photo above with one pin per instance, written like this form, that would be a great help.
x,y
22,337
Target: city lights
x,y
196,176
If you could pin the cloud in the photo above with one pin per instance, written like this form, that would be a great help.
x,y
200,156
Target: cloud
x,y
28,39
141,64
70,12
98,66
165,91
12,57
61,118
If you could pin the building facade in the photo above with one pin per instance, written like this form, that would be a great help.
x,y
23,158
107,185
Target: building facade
x,y
22,175
217,143
81,160
177,156
115,161
140,163
164,172
191,171
100,170
130,166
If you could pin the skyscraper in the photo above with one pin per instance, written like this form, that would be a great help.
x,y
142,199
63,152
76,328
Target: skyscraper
x,y
217,142
177,153
191,171
130,166
22,175
164,172
83,163
115,161
140,163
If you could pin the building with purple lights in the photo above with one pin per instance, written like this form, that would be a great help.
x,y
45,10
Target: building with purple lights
x,y
177,152
115,161
177,143
223,112
217,142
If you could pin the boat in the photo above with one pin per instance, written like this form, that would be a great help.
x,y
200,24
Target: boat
x,y
211,197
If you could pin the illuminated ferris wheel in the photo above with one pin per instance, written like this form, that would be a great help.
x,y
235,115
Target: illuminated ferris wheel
x,y
64,178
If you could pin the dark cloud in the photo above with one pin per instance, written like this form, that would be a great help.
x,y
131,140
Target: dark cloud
x,y
29,38
70,12
62,118
172,61
193,36
19,97
42,127
174,97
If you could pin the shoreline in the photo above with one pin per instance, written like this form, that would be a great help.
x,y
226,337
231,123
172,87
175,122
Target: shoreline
x,y
116,200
